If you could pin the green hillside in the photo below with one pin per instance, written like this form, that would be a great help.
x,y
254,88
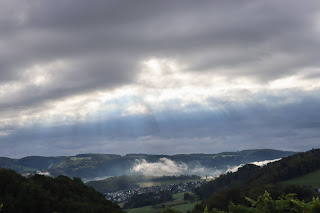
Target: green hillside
x,y
312,179
251,181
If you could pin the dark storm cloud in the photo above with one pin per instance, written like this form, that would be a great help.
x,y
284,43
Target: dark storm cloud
x,y
74,80
210,34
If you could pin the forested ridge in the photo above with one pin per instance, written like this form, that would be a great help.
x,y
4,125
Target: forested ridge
x,y
252,181
42,194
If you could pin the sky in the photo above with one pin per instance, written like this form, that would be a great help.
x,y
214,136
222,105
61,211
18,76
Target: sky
x,y
158,77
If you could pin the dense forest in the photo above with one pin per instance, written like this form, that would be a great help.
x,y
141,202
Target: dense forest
x,y
252,181
38,193
146,199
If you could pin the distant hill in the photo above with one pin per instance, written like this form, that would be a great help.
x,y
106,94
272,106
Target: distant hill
x,y
280,177
43,194
100,165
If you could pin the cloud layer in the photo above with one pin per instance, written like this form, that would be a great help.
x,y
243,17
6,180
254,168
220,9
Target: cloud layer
x,y
164,166
158,77
169,167
257,163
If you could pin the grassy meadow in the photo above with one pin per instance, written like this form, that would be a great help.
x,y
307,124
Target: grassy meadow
x,y
312,179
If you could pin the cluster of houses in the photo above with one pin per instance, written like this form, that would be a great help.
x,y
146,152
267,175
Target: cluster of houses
x,y
123,195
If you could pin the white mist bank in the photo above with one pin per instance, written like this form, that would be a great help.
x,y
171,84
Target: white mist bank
x,y
257,163
44,173
169,167
164,166
265,162
86,180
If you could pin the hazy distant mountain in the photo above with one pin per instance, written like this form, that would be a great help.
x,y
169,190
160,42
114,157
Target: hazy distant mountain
x,y
91,166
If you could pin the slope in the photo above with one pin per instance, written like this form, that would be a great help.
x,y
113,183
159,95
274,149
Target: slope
x,y
43,194
252,181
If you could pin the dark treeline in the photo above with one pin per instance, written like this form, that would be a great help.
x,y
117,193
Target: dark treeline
x,y
43,194
252,181
189,196
147,199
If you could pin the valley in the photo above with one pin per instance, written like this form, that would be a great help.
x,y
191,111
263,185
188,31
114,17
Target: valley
x,y
175,184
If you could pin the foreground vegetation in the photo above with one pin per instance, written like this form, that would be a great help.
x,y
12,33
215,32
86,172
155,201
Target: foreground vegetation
x,y
43,194
266,204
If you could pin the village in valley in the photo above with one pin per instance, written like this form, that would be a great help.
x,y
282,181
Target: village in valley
x,y
123,195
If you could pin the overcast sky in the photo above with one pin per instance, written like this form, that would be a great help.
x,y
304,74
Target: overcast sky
x,y
169,76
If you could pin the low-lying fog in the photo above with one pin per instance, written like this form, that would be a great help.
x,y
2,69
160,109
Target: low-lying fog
x,y
169,167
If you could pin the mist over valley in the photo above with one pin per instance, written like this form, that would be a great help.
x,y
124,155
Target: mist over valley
x,y
99,166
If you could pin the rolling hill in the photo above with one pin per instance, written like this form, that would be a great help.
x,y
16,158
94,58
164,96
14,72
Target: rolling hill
x,y
90,166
